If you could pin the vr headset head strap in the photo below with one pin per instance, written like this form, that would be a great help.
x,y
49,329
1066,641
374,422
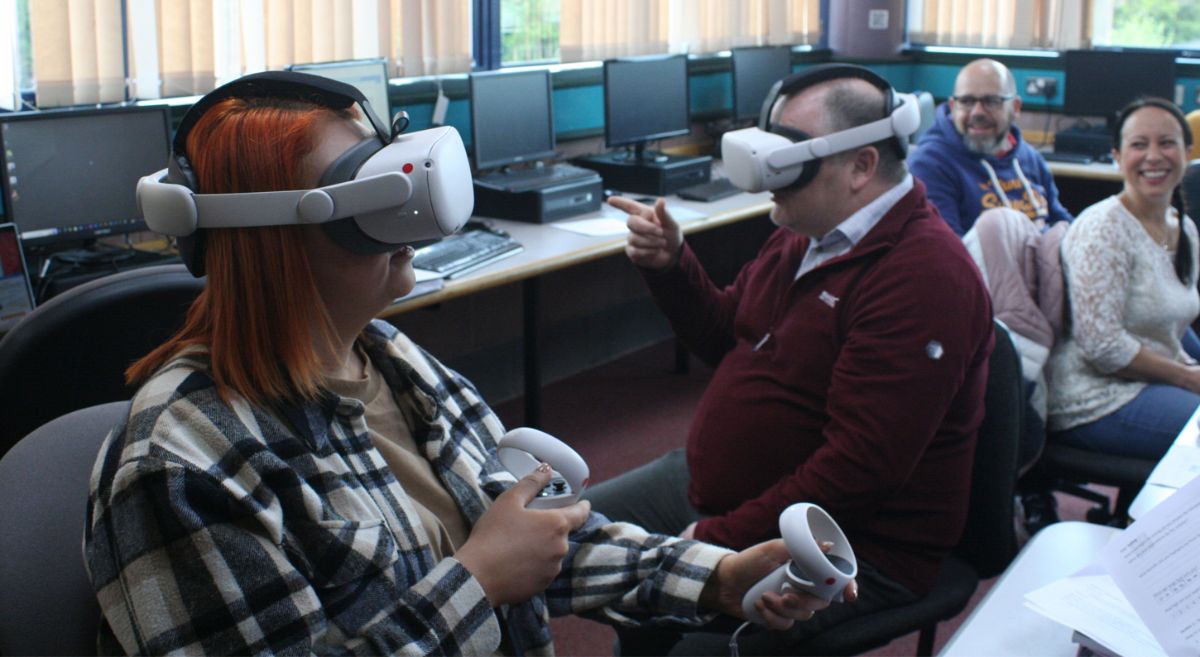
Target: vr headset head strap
x,y
815,75
303,87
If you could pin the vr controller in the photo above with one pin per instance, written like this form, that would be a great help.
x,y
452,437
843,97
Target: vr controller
x,y
523,449
804,527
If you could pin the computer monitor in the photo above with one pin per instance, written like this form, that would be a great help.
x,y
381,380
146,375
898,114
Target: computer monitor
x,y
16,294
369,75
754,71
1101,82
645,98
71,175
512,118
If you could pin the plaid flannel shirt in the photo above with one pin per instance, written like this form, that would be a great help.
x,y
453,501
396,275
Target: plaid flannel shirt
x,y
227,528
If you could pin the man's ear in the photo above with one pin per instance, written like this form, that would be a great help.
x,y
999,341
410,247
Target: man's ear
x,y
864,164
1016,105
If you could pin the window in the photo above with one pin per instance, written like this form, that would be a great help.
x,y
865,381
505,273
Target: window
x,y
1147,23
1057,24
544,31
528,32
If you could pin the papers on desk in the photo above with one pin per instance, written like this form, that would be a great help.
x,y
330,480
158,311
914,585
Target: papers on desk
x,y
1095,607
612,221
1143,595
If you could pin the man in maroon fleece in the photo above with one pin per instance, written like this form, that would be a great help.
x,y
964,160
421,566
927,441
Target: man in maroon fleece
x,y
850,362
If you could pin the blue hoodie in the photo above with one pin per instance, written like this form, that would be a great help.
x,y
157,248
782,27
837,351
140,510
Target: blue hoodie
x,y
960,186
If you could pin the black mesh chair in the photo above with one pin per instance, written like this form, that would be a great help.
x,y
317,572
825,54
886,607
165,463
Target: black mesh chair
x,y
988,542
72,351
48,602
1072,468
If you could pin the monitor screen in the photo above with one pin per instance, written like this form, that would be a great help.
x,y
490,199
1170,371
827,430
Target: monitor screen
x,y
1101,82
71,175
512,118
754,71
645,98
16,295
369,75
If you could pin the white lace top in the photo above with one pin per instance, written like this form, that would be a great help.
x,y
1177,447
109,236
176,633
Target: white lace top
x,y
1125,296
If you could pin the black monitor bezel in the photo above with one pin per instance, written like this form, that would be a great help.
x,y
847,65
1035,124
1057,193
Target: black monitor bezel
x,y
312,68
1088,59
137,223
733,59
609,99
477,114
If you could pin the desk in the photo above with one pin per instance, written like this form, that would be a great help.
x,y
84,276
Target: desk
x,y
1001,624
1081,185
1104,171
549,249
1157,488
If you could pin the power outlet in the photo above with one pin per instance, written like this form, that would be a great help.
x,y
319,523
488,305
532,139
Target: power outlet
x,y
1045,87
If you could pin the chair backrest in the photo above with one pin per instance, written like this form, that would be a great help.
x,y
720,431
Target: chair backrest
x,y
1190,188
72,351
989,540
928,114
48,602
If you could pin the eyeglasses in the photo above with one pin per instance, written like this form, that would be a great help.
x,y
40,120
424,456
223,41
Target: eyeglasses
x,y
990,102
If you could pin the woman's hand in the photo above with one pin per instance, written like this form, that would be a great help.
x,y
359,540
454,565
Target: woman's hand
x,y
736,573
516,552
654,238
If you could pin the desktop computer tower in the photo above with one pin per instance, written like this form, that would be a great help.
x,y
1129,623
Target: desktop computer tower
x,y
659,176
541,205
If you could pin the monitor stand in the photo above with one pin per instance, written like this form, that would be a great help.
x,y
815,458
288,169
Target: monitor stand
x,y
648,172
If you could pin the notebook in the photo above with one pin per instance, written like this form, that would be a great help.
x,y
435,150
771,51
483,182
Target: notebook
x,y
16,294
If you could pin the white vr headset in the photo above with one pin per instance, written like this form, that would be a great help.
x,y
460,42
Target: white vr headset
x,y
759,160
385,192
416,188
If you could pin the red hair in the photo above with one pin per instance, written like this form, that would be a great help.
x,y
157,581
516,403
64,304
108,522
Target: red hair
x,y
256,314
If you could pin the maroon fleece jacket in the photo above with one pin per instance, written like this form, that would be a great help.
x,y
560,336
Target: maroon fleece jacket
x,y
865,399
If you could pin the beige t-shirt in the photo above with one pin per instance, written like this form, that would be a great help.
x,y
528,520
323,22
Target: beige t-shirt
x,y
389,424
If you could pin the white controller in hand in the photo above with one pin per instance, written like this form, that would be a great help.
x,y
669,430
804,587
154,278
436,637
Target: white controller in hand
x,y
803,528
523,449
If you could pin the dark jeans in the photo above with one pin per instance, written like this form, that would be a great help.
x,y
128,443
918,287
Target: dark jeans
x,y
1147,425
655,496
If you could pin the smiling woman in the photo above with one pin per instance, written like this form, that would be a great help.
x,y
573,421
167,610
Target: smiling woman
x,y
1126,379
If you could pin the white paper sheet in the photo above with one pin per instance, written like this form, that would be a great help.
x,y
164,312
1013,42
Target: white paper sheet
x,y
1093,605
612,221
1156,564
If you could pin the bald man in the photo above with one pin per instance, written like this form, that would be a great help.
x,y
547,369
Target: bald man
x,y
973,157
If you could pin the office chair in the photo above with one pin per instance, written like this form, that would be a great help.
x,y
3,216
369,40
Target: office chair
x,y
48,602
928,114
988,542
1074,467
72,351
1193,121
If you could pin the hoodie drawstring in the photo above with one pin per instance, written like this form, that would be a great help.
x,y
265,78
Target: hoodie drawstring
x,y
1039,210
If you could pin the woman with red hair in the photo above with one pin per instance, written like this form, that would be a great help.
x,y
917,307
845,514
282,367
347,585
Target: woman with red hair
x,y
296,476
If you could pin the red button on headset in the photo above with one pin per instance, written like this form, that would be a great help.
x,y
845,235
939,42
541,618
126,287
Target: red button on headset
x,y
407,168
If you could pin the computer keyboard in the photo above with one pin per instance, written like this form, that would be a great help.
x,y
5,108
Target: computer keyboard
x,y
717,188
520,180
465,252
1069,157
